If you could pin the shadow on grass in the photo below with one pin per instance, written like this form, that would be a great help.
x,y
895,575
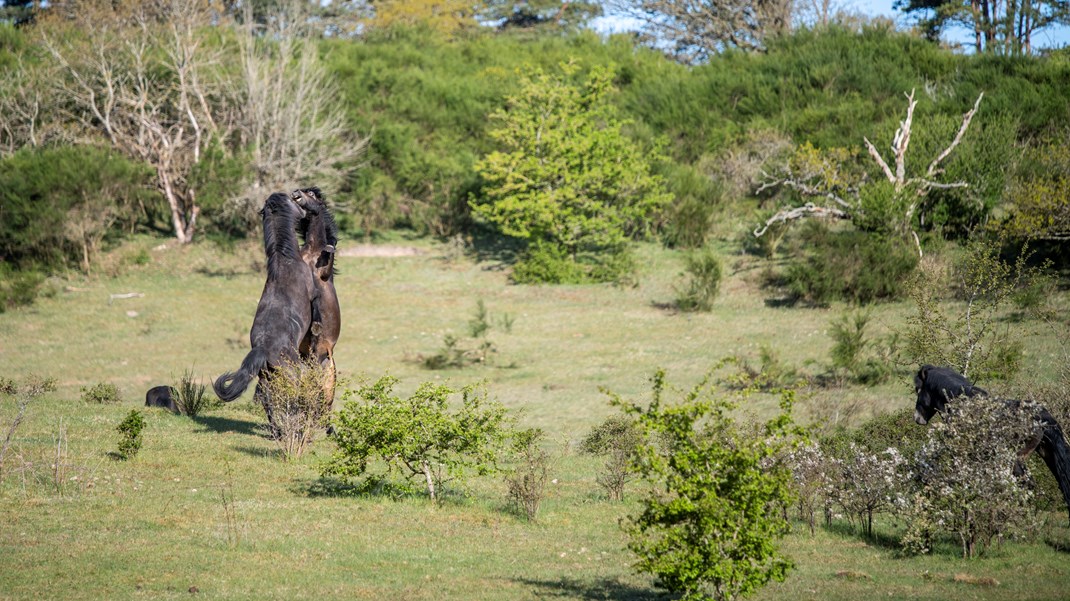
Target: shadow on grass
x,y
259,452
491,247
599,589
884,540
212,423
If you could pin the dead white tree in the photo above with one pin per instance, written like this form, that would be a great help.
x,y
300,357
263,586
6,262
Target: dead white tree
x,y
816,183
137,74
292,121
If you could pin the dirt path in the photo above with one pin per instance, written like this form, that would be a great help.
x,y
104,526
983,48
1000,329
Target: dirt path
x,y
380,250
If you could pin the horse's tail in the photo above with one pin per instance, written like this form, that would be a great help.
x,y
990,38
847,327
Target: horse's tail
x,y
1058,457
231,385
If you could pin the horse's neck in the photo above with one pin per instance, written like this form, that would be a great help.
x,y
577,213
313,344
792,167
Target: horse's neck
x,y
316,237
280,240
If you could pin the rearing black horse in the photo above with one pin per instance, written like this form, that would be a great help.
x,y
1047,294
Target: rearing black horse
x,y
936,386
284,313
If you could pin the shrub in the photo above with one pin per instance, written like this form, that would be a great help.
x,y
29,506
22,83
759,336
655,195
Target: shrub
x,y
296,405
709,477
419,437
850,265
965,474
546,263
130,434
18,288
815,475
703,271
526,483
869,482
616,439
101,393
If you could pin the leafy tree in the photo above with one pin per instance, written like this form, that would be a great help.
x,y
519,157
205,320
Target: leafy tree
x,y
1039,199
58,204
696,30
710,521
446,17
568,177
419,437
998,27
545,14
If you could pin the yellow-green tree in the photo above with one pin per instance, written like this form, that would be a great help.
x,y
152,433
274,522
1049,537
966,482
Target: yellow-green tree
x,y
567,179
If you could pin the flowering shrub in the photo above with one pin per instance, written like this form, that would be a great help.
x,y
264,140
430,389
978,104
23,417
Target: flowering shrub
x,y
870,483
965,473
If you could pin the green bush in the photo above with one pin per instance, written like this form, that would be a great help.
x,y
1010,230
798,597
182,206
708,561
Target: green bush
x,y
709,476
18,288
851,266
703,272
547,263
101,393
189,396
130,434
419,437
59,203
617,439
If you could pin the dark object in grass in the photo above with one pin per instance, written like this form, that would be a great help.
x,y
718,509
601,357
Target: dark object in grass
x,y
935,386
284,314
161,396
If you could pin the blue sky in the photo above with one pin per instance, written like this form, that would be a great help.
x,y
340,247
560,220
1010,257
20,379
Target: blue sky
x,y
1054,37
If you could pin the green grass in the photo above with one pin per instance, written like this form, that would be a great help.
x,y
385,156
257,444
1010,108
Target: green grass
x,y
156,526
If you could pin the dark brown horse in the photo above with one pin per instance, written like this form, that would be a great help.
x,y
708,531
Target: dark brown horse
x,y
321,238
284,314
936,386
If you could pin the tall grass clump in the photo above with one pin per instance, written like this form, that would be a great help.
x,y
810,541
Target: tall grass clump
x,y
190,395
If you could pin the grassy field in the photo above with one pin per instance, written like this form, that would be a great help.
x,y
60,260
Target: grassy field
x,y
208,506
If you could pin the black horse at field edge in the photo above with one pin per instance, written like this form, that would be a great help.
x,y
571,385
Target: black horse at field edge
x,y
936,386
284,313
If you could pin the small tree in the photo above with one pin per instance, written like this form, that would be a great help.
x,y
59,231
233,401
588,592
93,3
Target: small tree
x,y
869,483
567,177
419,437
967,336
527,481
616,439
709,523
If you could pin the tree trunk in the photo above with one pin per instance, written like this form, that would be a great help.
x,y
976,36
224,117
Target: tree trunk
x,y
430,479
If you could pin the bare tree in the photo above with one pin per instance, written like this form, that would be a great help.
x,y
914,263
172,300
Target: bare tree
x,y
692,30
292,122
140,75
842,199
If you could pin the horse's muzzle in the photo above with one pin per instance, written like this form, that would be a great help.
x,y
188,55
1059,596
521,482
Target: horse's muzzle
x,y
919,418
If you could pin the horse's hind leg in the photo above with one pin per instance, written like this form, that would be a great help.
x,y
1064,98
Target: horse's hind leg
x,y
263,396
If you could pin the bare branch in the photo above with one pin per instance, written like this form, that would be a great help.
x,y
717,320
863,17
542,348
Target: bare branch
x,y
966,118
880,161
807,210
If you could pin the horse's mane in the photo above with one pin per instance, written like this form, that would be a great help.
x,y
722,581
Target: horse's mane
x,y
280,236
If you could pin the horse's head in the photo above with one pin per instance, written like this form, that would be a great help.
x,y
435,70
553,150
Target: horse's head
x,y
281,205
309,199
935,386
